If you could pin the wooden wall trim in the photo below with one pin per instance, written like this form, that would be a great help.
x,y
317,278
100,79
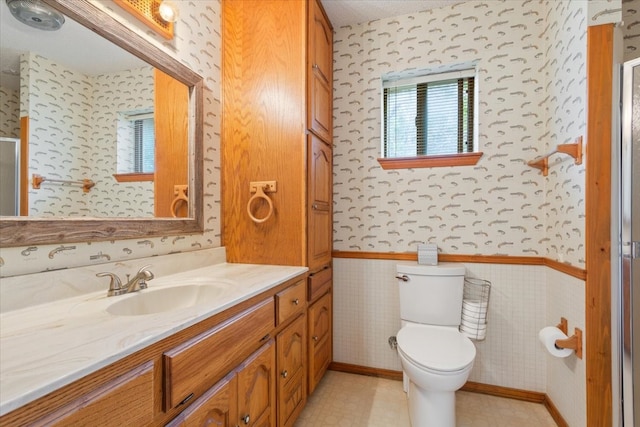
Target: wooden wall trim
x,y
508,392
555,414
576,272
365,370
598,224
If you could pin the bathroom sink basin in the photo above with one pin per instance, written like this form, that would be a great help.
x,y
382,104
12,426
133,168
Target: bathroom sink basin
x,y
150,301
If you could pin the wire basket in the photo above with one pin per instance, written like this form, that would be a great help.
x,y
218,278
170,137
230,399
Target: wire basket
x,y
475,304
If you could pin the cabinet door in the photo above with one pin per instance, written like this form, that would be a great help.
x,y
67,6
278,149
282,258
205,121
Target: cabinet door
x,y
320,342
320,73
292,391
320,232
257,389
217,407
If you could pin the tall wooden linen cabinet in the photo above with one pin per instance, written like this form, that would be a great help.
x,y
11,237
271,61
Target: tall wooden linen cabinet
x,y
277,125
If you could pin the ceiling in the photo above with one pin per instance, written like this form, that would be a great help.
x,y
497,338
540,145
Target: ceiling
x,y
86,57
351,12
73,46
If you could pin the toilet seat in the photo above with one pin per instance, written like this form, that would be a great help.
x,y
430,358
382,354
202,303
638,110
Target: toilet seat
x,y
436,349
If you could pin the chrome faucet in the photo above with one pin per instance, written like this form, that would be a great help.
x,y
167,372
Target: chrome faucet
x,y
139,281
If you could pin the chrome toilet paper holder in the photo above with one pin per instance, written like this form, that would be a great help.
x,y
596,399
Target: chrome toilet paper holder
x,y
574,342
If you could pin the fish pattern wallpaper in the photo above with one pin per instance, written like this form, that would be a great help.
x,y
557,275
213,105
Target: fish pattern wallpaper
x,y
196,44
73,136
9,112
631,28
529,101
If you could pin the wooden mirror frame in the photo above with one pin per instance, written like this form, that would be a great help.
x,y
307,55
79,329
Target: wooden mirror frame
x,y
20,231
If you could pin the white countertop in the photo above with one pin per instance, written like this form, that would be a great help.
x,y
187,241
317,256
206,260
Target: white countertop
x,y
47,346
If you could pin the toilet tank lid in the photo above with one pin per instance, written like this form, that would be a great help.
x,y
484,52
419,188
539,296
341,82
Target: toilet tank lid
x,y
442,269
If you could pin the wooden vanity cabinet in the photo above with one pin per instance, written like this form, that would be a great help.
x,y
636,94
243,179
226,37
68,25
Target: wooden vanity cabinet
x,y
217,372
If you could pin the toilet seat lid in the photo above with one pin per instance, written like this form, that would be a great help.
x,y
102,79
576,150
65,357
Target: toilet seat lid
x,y
436,348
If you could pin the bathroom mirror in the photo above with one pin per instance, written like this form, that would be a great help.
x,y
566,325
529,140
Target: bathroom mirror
x,y
23,230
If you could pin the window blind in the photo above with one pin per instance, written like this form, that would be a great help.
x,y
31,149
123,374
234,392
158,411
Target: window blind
x,y
145,141
429,118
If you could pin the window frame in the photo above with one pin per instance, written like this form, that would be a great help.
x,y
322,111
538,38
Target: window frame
x,y
431,160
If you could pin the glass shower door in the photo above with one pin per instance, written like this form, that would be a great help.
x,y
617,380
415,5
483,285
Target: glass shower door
x,y
9,176
630,242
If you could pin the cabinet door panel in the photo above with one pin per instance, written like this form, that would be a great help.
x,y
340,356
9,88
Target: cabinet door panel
x,y
217,407
292,399
320,339
320,73
320,231
291,347
257,388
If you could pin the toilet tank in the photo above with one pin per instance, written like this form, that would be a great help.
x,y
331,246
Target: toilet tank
x,y
431,294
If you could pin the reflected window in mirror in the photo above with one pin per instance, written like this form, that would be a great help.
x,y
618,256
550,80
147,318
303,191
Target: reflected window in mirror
x,y
136,143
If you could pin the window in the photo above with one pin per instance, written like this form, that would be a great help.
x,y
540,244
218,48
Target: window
x,y
431,115
144,148
135,156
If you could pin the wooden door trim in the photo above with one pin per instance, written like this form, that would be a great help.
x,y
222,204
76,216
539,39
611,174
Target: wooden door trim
x,y
598,225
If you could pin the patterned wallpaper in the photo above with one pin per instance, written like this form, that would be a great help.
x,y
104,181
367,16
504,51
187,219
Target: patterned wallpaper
x,y
130,90
58,103
631,28
73,137
196,44
564,73
495,207
9,113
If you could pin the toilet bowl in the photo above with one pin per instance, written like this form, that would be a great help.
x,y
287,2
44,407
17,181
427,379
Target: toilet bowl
x,y
436,357
437,361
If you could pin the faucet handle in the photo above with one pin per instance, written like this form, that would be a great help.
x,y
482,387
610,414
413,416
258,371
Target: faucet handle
x,y
145,275
144,269
115,285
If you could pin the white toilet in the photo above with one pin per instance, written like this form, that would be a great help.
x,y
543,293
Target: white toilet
x,y
436,358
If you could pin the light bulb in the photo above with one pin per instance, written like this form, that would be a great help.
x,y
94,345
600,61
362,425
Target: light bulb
x,y
168,11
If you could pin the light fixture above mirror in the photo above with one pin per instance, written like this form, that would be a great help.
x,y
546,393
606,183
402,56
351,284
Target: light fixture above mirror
x,y
159,15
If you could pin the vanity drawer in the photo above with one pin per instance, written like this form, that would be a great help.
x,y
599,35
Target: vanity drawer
x,y
194,366
320,283
290,300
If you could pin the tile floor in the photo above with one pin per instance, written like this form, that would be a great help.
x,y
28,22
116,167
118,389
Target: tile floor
x,y
355,400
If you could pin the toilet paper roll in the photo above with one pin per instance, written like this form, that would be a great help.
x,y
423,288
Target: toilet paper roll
x,y
548,337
